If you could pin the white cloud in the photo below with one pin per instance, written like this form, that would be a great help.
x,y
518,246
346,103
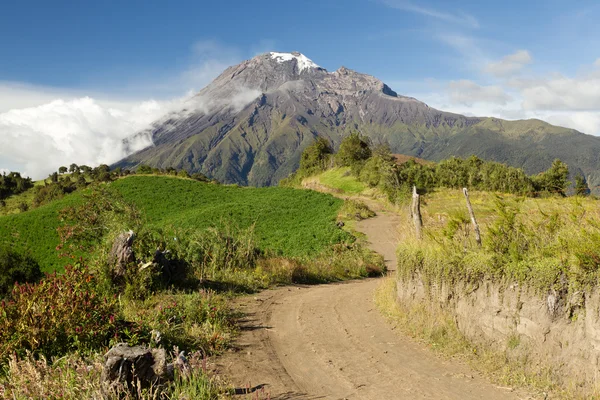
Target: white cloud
x,y
509,64
82,131
588,122
569,101
559,93
468,93
459,18
42,128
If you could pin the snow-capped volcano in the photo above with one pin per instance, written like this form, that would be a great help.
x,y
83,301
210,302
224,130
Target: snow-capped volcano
x,y
302,61
251,124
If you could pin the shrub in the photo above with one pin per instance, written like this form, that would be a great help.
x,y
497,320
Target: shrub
x,y
220,249
357,210
144,169
315,157
13,183
198,320
354,151
15,267
60,314
581,186
554,180
85,225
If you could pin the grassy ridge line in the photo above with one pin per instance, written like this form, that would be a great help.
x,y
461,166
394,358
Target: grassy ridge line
x,y
287,221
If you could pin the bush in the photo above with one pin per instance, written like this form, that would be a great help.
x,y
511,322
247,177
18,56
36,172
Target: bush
x,y
13,183
217,250
553,180
316,156
144,169
85,225
15,267
353,152
198,320
357,210
60,314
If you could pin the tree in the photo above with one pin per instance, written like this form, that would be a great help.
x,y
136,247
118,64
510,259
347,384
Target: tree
x,y
315,156
15,267
144,169
62,170
73,168
581,186
354,149
200,177
553,180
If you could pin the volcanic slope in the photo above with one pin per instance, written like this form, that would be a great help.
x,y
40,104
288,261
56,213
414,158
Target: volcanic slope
x,y
250,125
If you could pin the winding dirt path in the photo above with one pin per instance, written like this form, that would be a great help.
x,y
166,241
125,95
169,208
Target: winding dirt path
x,y
330,342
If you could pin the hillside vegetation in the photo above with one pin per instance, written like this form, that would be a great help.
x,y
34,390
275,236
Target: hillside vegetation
x,y
287,222
193,245
368,166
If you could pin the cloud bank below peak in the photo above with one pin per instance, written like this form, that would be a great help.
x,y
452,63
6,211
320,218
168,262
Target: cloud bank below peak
x,y
37,140
42,128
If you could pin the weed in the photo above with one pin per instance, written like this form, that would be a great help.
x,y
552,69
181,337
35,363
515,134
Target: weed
x,y
355,210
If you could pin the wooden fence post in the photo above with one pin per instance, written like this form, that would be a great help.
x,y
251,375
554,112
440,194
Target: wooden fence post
x,y
473,220
416,213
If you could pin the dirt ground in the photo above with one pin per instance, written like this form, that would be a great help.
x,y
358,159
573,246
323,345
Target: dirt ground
x,y
330,342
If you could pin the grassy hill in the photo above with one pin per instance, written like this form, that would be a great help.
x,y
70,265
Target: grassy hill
x,y
287,221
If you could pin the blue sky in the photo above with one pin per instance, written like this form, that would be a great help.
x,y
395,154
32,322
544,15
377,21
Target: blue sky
x,y
77,76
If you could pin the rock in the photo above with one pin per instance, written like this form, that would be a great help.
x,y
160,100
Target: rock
x,y
121,254
340,224
132,367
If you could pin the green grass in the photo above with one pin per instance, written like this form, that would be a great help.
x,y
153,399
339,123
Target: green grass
x,y
13,202
341,178
34,232
287,222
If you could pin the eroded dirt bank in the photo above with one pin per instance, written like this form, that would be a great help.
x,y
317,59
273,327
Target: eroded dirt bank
x,y
330,342
552,331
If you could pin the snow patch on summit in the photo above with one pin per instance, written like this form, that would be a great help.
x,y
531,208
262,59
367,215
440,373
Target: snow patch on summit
x,y
303,62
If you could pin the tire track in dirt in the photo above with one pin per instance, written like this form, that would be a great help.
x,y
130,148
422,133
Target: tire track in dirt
x,y
330,342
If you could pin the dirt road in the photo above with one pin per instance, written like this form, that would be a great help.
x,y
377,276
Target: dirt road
x,y
330,342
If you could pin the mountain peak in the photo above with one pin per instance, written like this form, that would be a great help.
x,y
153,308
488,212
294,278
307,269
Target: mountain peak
x,y
302,61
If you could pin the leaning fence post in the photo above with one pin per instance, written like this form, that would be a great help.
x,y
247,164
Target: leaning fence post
x,y
473,220
416,213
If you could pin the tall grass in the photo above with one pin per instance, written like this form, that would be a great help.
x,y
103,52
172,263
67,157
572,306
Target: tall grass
x,y
550,243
